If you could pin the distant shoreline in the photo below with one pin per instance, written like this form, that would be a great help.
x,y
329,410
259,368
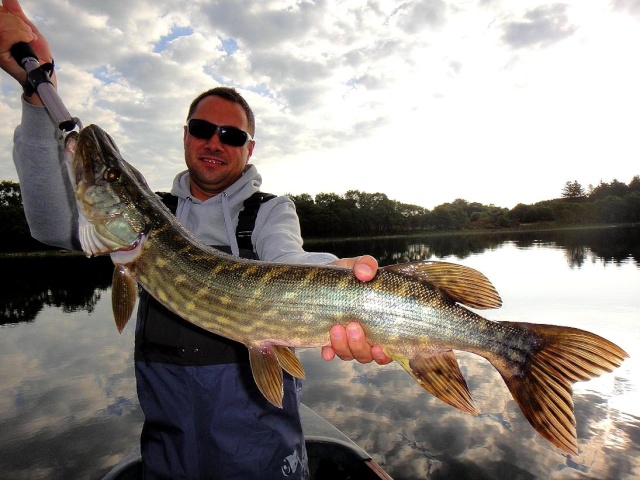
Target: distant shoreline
x,y
525,228
530,228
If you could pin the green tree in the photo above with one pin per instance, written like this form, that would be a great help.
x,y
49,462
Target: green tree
x,y
10,195
573,190
603,190
15,231
522,213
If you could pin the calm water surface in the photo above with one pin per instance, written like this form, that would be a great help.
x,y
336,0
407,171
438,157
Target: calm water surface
x,y
68,407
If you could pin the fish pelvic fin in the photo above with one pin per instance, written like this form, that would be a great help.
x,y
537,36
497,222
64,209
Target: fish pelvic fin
x,y
267,363
124,293
288,361
543,387
267,373
440,375
462,284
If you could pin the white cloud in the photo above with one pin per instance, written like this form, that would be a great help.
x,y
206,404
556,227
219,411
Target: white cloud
x,y
427,101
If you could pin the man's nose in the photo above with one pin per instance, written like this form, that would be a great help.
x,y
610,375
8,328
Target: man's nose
x,y
215,140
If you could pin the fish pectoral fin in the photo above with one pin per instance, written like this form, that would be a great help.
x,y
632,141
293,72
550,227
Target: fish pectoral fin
x,y
440,375
267,372
288,361
462,284
124,293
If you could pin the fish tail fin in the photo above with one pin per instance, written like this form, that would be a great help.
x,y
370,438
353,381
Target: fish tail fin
x,y
542,386
440,375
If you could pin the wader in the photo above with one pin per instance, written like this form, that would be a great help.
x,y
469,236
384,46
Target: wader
x,y
204,415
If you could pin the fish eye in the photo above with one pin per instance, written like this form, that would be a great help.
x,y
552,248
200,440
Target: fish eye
x,y
111,175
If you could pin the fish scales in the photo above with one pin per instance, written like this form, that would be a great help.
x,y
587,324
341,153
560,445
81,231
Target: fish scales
x,y
416,312
332,295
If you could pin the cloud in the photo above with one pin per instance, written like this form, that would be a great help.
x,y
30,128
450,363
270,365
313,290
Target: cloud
x,y
630,6
361,91
541,26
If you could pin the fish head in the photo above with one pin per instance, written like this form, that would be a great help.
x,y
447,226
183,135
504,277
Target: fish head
x,y
110,193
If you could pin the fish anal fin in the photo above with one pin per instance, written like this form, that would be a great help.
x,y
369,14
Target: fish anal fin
x,y
542,387
124,293
267,373
288,361
462,284
440,375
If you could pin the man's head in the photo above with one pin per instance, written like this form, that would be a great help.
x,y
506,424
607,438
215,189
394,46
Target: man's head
x,y
228,94
216,157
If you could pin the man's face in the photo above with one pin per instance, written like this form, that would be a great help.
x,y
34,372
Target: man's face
x,y
214,166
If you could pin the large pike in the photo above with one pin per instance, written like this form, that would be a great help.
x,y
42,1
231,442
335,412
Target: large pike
x,y
413,310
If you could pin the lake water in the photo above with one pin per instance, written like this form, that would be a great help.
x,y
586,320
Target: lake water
x,y
68,407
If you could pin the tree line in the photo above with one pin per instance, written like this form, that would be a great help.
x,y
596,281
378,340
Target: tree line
x,y
359,213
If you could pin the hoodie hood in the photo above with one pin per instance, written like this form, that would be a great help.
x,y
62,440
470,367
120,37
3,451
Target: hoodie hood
x,y
214,221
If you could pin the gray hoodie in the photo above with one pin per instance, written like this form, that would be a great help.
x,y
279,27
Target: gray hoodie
x,y
51,211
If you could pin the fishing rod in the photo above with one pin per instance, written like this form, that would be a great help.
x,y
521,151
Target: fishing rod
x,y
39,79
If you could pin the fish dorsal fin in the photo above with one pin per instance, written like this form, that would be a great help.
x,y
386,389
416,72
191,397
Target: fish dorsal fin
x,y
440,375
462,284
267,372
124,293
288,361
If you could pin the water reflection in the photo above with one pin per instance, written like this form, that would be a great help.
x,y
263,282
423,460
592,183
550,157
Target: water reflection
x,y
68,282
67,396
609,245
75,282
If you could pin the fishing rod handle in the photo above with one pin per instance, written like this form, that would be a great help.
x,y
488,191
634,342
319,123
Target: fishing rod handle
x,y
23,54
41,82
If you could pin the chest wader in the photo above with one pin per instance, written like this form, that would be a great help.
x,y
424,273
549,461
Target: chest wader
x,y
204,416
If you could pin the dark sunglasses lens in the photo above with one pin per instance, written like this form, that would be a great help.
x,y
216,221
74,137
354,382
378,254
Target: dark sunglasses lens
x,y
205,130
233,136
201,129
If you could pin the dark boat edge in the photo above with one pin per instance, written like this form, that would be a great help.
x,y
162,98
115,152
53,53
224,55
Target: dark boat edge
x,y
332,455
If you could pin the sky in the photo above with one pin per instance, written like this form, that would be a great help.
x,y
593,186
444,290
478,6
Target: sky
x,y
493,101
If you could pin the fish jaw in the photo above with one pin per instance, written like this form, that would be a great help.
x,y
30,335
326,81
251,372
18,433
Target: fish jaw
x,y
97,239
105,194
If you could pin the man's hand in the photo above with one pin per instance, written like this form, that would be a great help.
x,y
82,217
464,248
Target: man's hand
x,y
15,27
349,343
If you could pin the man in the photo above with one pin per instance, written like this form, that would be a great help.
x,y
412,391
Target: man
x,y
204,417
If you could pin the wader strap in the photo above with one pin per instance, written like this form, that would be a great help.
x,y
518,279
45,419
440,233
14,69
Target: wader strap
x,y
246,218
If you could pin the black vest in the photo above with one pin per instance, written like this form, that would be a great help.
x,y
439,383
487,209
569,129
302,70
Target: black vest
x,y
162,336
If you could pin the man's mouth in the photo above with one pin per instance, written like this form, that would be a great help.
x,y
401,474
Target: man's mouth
x,y
212,160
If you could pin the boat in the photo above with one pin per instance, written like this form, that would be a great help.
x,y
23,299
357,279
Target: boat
x,y
332,455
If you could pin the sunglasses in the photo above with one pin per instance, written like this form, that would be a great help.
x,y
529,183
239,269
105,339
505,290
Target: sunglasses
x,y
228,135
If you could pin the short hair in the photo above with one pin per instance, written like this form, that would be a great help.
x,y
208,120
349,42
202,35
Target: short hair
x,y
228,93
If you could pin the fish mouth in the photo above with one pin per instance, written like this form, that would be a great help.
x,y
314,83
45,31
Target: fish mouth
x,y
98,239
130,255
97,173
